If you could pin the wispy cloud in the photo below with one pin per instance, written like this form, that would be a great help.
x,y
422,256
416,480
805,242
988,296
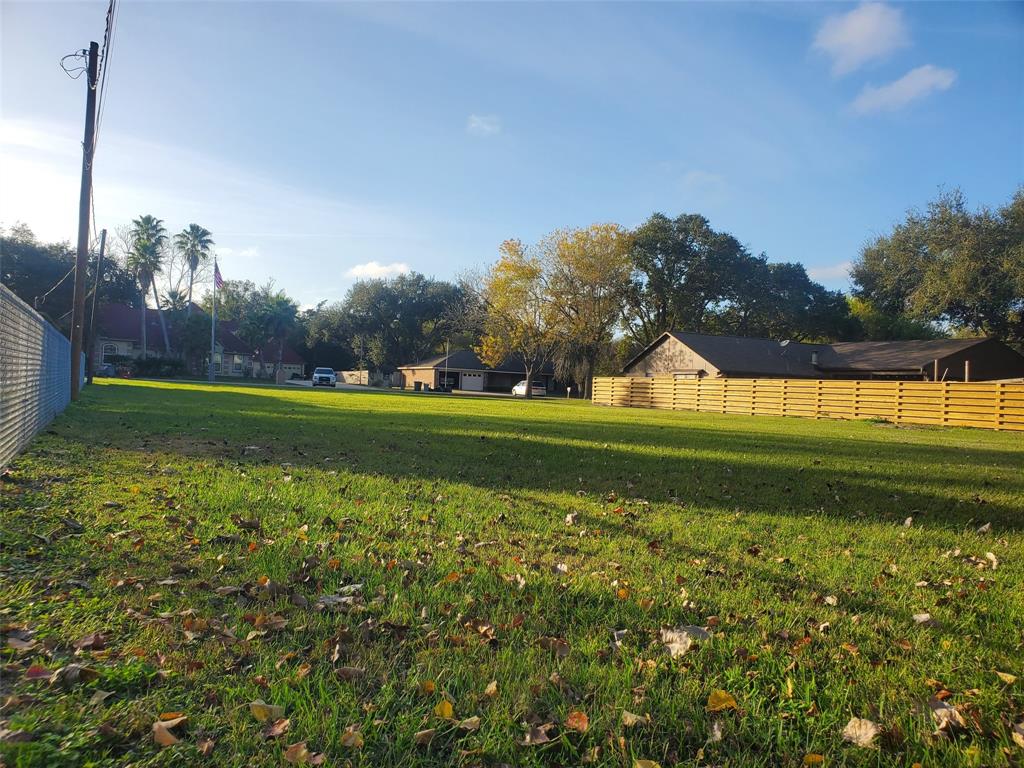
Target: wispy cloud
x,y
251,252
374,269
830,273
483,125
913,86
870,31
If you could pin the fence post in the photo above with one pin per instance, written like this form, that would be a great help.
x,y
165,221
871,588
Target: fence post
x,y
899,401
1000,393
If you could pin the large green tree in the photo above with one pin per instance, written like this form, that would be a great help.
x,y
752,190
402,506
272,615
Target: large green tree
x,y
948,265
689,277
399,320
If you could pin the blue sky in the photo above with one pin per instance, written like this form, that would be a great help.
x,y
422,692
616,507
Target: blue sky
x,y
324,141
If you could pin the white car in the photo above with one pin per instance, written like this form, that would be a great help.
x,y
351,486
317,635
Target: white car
x,y
538,389
325,377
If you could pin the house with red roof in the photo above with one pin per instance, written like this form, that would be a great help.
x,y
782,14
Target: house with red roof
x,y
119,338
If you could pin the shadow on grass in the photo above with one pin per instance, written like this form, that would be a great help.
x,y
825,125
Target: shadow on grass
x,y
766,468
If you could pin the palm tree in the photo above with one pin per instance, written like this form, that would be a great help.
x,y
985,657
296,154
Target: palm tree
x,y
175,302
145,260
194,242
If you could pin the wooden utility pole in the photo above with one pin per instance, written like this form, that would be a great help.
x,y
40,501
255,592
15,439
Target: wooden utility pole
x,y
90,353
84,199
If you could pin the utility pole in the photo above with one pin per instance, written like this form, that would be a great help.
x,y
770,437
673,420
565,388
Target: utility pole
x,y
84,199
90,355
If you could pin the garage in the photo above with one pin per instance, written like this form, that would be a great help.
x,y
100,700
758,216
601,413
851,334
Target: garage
x,y
472,382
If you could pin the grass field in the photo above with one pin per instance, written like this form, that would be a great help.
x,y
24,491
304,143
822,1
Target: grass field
x,y
361,559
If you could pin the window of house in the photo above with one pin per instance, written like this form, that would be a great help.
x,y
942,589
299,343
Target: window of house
x,y
109,351
237,366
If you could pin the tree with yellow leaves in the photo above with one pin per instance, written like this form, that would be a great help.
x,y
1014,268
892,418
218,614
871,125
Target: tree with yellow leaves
x,y
587,276
519,319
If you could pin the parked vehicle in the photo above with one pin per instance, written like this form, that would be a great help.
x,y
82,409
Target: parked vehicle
x,y
325,377
537,390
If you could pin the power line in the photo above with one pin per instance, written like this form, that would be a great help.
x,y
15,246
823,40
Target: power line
x,y
108,41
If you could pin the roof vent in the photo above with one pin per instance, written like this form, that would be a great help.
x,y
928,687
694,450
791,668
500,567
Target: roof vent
x,y
814,358
784,343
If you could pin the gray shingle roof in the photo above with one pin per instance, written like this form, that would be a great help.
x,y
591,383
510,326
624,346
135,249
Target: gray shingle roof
x,y
739,355
466,359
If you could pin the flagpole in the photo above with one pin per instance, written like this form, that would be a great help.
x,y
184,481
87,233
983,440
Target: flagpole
x,y
213,321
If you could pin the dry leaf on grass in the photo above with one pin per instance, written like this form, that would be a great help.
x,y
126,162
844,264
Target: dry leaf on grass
x,y
423,738
263,711
1006,677
813,758
298,754
645,764
277,729
537,734
162,731
491,690
629,719
470,724
948,720
349,673
352,738
679,640
444,709
1017,731
577,721
720,700
860,731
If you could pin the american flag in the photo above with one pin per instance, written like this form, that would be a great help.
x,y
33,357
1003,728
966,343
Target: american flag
x,y
218,281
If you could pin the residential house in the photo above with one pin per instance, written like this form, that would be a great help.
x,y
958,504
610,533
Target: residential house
x,y
119,338
696,355
462,369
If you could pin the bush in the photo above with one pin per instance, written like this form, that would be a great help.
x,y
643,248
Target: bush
x,y
158,368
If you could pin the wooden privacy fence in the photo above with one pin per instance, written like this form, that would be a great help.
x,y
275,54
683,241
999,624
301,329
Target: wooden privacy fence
x,y
990,405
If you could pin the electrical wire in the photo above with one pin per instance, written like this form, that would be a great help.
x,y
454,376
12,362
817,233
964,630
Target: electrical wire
x,y
108,41
74,72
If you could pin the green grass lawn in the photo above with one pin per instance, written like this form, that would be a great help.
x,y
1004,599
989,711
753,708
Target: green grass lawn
x,y
358,559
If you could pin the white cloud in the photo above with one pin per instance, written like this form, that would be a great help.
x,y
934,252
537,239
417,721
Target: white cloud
x,y
374,269
830,273
483,125
870,31
914,85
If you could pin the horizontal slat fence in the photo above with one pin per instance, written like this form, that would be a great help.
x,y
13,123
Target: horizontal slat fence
x,y
989,405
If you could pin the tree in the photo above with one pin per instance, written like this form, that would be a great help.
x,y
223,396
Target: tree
x,y
276,318
682,269
393,322
948,265
588,273
194,243
40,274
148,238
520,316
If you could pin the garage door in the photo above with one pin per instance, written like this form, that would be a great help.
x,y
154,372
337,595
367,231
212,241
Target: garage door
x,y
473,382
